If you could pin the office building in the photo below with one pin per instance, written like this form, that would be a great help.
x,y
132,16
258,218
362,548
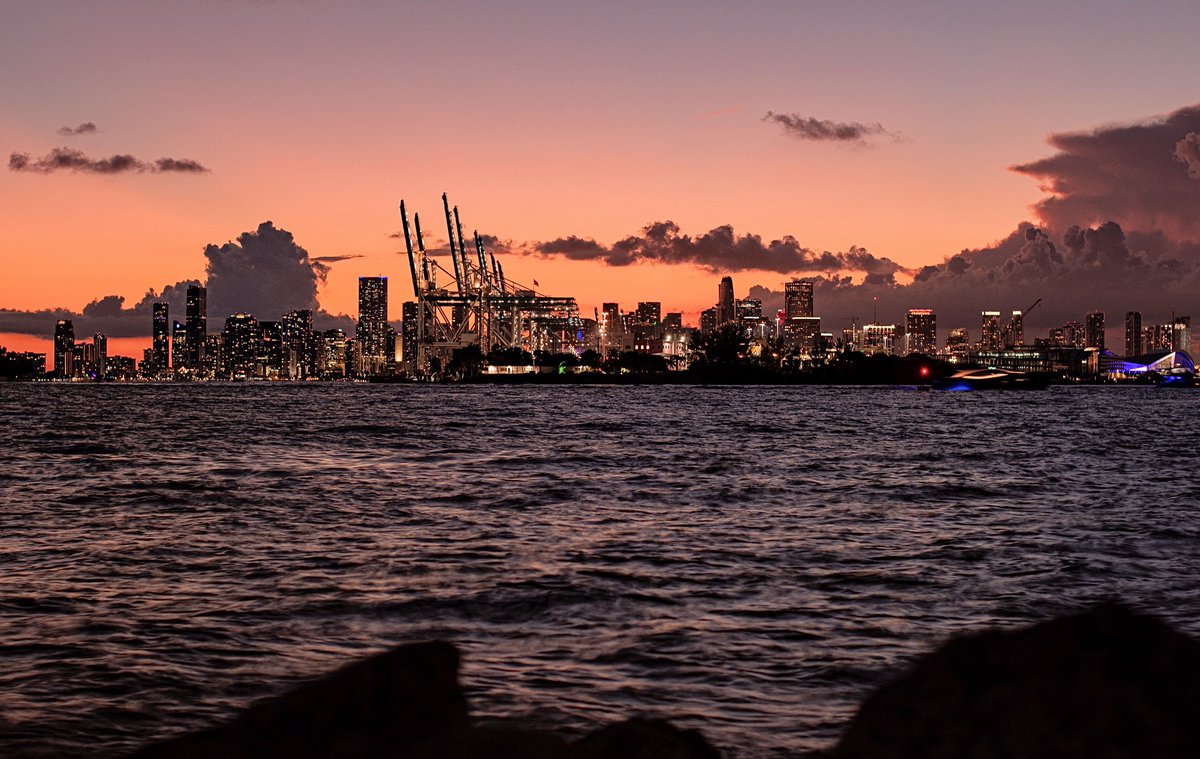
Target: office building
x,y
920,331
797,298
196,322
708,321
725,306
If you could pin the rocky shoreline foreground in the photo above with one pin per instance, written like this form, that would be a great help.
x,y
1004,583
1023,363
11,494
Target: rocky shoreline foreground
x,y
1107,682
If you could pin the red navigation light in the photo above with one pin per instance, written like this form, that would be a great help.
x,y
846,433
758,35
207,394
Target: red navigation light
x,y
924,371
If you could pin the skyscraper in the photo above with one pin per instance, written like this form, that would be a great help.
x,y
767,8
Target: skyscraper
x,y
197,327
920,331
1094,330
798,298
296,331
371,332
1015,334
990,338
958,341
64,348
179,345
101,343
408,334
241,346
725,306
161,332
1181,334
1133,333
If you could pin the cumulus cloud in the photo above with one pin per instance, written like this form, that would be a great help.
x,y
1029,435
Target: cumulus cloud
x,y
1142,176
264,272
86,127
1187,150
70,159
718,250
823,130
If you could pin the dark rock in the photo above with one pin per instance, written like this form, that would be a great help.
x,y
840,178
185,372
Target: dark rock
x,y
1105,683
643,739
405,702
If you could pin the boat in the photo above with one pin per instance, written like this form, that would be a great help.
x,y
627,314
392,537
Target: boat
x,y
992,379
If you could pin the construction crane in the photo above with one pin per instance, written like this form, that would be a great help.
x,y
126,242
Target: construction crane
x,y
1035,305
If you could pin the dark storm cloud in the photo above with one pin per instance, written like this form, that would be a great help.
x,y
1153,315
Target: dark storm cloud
x,y
823,130
107,314
70,159
1086,268
718,250
264,273
1142,176
1187,150
86,127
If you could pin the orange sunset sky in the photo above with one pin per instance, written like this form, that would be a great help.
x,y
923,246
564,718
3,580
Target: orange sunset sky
x,y
544,120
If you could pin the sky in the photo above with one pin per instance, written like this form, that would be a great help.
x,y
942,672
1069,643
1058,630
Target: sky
x,y
614,151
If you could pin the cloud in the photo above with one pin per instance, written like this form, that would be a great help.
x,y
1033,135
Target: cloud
x,y
70,159
718,250
1084,269
1187,150
264,273
808,128
335,259
1142,176
86,127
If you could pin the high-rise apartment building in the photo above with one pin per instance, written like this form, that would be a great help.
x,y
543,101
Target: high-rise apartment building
x,y
64,348
1133,333
196,327
296,334
1014,332
160,331
241,347
958,341
920,331
179,342
100,341
1094,330
725,305
371,332
797,298
708,321
1181,334
990,338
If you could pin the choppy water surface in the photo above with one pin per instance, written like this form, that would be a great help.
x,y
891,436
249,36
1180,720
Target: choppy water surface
x,y
748,561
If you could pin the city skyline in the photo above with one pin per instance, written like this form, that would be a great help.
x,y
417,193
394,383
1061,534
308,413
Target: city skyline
x,y
753,164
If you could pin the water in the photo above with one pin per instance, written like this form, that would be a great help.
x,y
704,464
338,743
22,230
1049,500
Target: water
x,y
748,561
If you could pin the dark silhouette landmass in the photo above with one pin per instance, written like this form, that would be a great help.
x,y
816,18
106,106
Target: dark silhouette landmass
x,y
1108,682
